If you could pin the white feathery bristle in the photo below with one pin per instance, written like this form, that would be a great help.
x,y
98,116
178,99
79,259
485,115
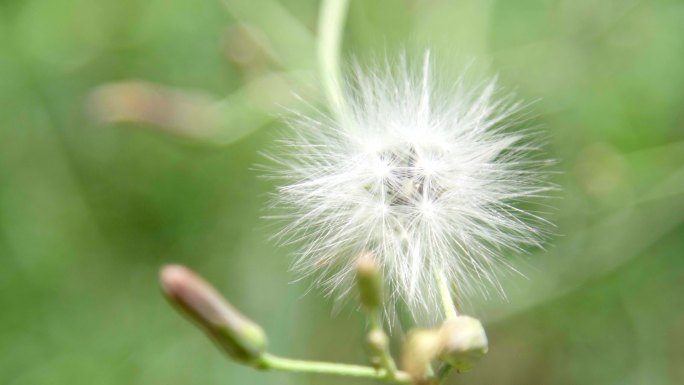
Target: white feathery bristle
x,y
423,177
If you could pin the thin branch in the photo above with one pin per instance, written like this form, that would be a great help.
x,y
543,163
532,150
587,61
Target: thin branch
x,y
331,20
271,362
445,294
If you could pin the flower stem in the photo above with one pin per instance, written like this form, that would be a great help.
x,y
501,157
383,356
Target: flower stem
x,y
445,294
381,347
330,28
269,361
450,312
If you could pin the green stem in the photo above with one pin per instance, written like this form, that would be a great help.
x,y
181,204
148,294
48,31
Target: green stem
x,y
269,361
375,319
450,312
382,351
330,28
445,295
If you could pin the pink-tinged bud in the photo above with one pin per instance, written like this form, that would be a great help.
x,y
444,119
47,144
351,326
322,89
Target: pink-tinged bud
x,y
239,337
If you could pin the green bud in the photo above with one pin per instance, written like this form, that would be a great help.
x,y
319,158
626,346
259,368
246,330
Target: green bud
x,y
242,339
369,281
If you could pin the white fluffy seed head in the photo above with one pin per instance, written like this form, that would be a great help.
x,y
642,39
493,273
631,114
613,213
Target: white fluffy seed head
x,y
427,179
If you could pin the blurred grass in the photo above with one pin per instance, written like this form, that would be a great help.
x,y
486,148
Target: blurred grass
x,y
88,212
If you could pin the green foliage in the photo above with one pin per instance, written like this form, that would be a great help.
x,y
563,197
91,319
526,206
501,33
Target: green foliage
x,y
89,211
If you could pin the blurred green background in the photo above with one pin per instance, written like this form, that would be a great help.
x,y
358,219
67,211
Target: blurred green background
x,y
99,184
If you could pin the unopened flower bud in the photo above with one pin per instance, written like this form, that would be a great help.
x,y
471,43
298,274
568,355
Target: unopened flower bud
x,y
239,337
460,342
174,111
369,280
464,342
421,347
378,340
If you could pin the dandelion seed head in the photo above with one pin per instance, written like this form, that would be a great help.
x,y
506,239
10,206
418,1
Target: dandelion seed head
x,y
425,178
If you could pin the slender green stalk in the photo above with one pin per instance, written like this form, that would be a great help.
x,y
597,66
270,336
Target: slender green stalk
x,y
271,362
375,320
331,20
380,343
450,312
445,295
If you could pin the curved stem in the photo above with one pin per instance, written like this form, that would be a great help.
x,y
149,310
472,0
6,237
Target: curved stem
x,y
269,361
330,27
